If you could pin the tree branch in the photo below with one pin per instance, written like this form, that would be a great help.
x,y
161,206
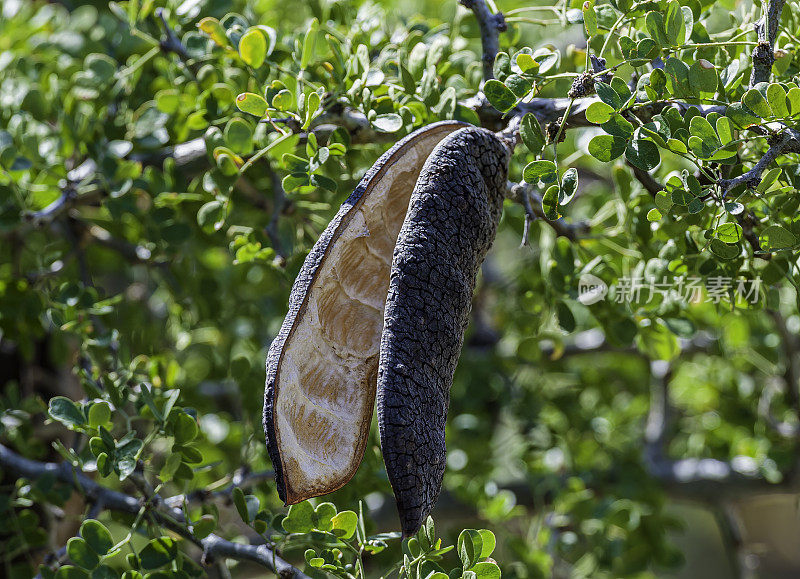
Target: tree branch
x,y
212,545
787,142
647,180
764,53
491,26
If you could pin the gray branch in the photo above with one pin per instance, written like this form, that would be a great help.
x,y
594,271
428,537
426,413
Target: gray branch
x,y
172,518
788,142
764,53
491,26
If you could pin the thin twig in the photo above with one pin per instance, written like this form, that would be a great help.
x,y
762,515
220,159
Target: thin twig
x,y
523,194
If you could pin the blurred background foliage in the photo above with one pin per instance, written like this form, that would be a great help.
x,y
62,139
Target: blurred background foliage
x,y
145,266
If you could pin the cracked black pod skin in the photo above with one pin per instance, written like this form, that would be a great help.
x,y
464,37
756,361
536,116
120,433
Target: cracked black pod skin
x,y
451,223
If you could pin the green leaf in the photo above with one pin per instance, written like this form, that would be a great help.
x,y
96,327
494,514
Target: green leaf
x,y
776,237
729,232
214,29
344,524
488,542
253,47
502,66
608,95
416,60
703,77
323,516
97,536
676,146
211,216
71,572
105,572
643,154
550,203
531,133
548,59
657,342
654,214
695,206
794,100
526,62
486,570
66,412
724,130
283,101
607,147
99,413
654,21
238,136
663,201
240,502
678,78
658,80
768,179
675,29
589,18
81,554
388,123
309,44
470,545
300,518
704,140
742,116
312,107
446,107
252,104
776,97
158,552
646,49
294,181
540,170
724,251
755,101
204,526
598,113
618,126
324,182
190,454
519,85
628,47
569,185
499,95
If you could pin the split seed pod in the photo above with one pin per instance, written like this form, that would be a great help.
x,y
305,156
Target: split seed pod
x,y
417,263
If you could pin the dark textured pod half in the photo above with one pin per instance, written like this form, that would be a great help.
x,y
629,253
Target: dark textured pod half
x,y
322,367
451,223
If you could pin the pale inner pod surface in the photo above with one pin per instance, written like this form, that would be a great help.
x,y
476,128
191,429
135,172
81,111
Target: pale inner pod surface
x,y
322,366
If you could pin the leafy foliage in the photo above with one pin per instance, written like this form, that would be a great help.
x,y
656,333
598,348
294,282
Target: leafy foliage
x,y
165,167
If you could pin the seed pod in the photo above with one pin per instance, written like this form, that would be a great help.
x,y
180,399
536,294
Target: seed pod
x,y
451,223
322,367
